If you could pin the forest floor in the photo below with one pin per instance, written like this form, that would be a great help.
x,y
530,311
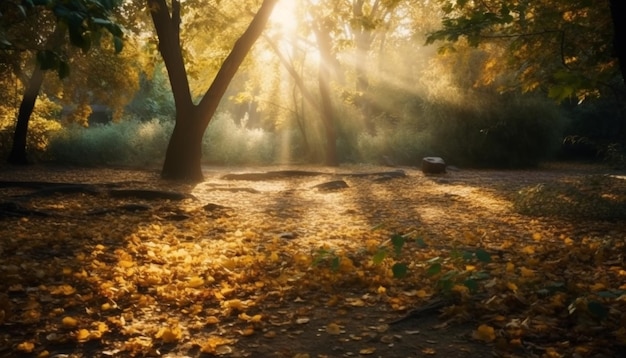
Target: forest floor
x,y
381,262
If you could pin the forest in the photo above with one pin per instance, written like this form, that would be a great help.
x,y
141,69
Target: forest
x,y
246,178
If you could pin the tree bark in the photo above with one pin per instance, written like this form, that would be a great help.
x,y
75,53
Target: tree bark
x,y
18,150
184,151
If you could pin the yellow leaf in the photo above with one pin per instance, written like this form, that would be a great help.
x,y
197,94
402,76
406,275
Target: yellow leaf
x,y
536,236
597,287
248,331
568,241
512,286
235,304
528,250
429,351
69,322
484,333
26,347
64,290
125,263
195,282
381,290
527,273
367,351
510,267
212,320
333,300
213,343
333,329
256,318
552,353
82,335
169,334
274,256
463,290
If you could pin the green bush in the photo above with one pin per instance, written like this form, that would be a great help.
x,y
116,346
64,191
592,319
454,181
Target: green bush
x,y
226,143
483,130
143,143
129,142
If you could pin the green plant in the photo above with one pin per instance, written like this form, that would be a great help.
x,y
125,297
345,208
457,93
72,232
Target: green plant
x,y
447,272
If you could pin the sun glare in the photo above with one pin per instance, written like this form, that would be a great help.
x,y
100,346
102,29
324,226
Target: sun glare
x,y
284,18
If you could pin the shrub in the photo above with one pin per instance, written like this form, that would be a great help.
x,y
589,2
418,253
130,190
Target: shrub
x,y
129,142
484,130
226,143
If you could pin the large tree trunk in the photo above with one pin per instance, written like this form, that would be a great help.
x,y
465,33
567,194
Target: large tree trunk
x,y
18,150
184,152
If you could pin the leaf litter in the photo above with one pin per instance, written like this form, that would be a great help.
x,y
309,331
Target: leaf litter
x,y
278,268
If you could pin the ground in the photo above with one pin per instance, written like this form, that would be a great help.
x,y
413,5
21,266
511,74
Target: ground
x,y
464,264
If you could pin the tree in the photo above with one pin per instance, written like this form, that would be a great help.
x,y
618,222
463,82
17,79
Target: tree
x,y
184,151
561,46
82,20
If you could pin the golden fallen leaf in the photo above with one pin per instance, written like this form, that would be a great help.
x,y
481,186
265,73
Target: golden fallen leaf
x,y
216,344
169,334
429,351
510,267
526,273
82,335
333,329
195,282
484,333
367,351
69,322
248,331
26,347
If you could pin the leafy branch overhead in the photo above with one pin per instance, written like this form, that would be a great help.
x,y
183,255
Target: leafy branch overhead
x,y
562,46
84,21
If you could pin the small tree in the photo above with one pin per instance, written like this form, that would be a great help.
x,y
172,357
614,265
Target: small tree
x,y
82,20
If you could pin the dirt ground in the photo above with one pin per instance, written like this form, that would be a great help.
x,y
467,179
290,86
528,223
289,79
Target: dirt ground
x,y
261,268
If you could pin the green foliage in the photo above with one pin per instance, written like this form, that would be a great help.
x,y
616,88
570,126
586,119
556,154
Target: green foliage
x,y
154,98
482,130
143,143
446,272
563,45
327,257
227,143
129,142
84,22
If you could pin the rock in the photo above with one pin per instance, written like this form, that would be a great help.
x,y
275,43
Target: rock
x,y
433,165
332,185
213,207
